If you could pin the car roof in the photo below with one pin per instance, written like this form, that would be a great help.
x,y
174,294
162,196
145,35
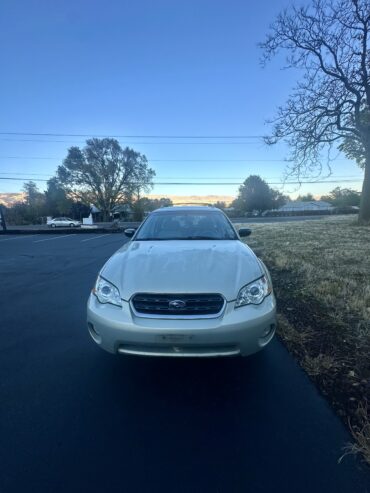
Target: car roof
x,y
187,208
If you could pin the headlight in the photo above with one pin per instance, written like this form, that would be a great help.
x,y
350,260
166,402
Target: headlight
x,y
106,292
254,293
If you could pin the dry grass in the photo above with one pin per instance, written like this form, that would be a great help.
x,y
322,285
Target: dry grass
x,y
295,340
332,256
361,435
321,273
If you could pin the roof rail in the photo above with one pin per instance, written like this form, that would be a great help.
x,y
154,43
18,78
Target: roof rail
x,y
194,203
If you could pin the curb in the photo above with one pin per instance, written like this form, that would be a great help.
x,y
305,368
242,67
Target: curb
x,y
59,231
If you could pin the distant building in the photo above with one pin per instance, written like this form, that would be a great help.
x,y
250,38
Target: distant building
x,y
122,212
302,207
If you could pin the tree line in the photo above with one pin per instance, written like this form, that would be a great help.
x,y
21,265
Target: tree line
x,y
105,175
54,202
255,195
102,174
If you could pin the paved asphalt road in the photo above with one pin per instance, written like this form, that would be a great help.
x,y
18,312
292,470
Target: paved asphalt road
x,y
281,219
76,419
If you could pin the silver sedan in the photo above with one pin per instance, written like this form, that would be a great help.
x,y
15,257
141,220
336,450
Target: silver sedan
x,y
185,285
63,222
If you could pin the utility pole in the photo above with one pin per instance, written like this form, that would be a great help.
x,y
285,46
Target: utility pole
x,y
2,218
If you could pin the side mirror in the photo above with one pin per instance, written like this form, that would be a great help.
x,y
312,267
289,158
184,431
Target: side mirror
x,y
244,232
130,232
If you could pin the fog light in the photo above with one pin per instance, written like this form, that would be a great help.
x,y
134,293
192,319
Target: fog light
x,y
269,330
94,333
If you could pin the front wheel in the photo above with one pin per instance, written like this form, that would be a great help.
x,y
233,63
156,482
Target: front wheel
x,y
53,225
71,225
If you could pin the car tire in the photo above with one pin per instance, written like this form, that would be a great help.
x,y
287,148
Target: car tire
x,y
53,225
71,225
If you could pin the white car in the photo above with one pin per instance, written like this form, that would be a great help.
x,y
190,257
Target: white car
x,y
185,285
64,222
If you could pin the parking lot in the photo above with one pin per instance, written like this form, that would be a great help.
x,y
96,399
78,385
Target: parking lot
x,y
74,418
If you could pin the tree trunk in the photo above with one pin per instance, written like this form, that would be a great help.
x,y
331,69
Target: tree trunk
x,y
364,215
2,219
106,215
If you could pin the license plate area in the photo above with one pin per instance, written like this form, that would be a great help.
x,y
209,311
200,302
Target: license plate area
x,y
174,338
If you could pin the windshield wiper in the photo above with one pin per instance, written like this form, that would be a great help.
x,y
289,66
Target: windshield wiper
x,y
199,238
183,238
152,239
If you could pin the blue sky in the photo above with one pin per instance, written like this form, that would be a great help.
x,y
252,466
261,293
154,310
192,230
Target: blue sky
x,y
117,67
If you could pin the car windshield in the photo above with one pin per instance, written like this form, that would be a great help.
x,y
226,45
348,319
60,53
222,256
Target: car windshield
x,y
184,225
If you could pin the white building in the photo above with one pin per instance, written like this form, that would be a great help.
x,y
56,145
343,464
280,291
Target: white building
x,y
296,206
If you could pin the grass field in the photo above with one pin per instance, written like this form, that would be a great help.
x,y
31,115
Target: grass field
x,y
321,275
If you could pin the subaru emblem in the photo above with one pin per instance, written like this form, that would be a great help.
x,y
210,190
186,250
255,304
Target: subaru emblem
x,y
176,304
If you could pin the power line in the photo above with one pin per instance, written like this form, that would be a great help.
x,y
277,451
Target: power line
x,y
31,157
49,134
22,179
29,174
174,160
159,160
211,183
171,177
162,160
134,143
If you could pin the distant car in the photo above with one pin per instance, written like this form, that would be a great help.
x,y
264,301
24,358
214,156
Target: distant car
x,y
185,285
252,214
64,222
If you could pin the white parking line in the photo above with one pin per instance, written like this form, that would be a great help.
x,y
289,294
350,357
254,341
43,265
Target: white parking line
x,y
54,238
17,237
95,237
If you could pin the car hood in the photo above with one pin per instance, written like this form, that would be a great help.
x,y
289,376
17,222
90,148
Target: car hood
x,y
182,266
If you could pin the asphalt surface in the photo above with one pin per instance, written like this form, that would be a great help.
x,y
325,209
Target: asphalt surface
x,y
45,227
281,219
74,418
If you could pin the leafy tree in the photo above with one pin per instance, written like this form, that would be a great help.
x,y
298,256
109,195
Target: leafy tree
x,y
104,174
2,217
306,198
56,201
20,213
220,204
32,195
239,207
138,210
343,197
78,210
145,204
162,202
278,199
330,106
33,208
255,194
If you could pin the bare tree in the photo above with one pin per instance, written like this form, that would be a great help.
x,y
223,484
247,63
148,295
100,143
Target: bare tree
x,y
330,106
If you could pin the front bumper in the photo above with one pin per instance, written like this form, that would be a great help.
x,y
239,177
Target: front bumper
x,y
243,331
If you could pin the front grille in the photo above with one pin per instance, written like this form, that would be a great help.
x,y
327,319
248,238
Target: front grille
x,y
178,304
